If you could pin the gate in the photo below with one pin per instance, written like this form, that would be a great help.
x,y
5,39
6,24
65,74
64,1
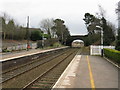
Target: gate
x,y
96,50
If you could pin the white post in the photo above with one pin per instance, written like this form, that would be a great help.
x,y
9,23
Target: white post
x,y
91,50
101,41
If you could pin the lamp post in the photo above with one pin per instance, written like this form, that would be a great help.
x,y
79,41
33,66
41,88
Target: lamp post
x,y
101,39
102,51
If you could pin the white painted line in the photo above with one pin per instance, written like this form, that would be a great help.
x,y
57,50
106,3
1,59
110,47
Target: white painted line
x,y
112,62
64,79
42,51
22,56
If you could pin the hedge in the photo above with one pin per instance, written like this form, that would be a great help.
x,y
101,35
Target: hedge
x,y
112,55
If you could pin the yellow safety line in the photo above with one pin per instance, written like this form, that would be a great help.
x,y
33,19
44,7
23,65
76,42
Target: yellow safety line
x,y
91,76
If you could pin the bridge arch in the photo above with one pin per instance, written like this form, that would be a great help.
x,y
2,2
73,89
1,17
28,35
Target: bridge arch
x,y
77,43
76,37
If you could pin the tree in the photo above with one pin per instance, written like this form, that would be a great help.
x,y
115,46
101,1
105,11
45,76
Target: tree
x,y
46,26
93,32
108,30
92,22
108,34
61,30
4,19
118,37
3,28
11,28
102,11
118,41
36,35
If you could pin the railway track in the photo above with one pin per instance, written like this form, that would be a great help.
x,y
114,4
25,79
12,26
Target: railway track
x,y
24,79
14,72
51,75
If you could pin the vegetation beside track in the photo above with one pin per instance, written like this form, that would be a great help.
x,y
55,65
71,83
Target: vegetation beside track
x,y
85,51
112,55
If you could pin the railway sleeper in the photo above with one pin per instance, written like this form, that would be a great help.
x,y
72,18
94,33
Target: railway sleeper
x,y
45,82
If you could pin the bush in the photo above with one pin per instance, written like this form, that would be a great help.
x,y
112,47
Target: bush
x,y
113,55
46,36
5,50
39,44
118,45
57,44
36,35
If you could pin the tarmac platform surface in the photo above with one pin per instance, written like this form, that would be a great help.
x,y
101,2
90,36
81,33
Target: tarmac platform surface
x,y
87,71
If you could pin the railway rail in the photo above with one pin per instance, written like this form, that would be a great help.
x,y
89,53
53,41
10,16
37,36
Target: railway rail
x,y
14,72
50,76
12,80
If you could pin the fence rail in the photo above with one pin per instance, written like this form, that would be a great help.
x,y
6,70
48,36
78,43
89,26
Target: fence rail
x,y
96,50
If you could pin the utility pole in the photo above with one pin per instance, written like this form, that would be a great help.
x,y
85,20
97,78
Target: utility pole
x,y
102,12
27,33
43,40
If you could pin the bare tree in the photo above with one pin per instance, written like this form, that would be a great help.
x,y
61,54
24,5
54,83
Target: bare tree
x,y
46,25
118,12
5,19
102,11
118,8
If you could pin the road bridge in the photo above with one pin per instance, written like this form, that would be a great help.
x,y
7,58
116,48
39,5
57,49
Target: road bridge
x,y
76,37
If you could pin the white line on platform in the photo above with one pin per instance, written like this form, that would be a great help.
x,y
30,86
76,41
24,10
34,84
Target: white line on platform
x,y
64,79
112,62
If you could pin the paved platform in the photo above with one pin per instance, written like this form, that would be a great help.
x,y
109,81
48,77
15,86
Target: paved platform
x,y
14,55
87,71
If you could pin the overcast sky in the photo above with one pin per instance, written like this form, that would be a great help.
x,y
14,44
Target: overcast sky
x,y
71,11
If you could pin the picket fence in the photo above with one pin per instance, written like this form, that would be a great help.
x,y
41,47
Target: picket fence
x,y
96,50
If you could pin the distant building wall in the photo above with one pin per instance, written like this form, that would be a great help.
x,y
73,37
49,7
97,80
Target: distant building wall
x,y
19,47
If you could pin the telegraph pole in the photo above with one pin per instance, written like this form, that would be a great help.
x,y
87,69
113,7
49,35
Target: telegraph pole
x,y
27,33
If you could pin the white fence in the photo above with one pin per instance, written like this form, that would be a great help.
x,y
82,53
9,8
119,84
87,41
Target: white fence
x,y
96,50
20,47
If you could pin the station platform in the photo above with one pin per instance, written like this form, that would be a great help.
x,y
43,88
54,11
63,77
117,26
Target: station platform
x,y
87,71
14,55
